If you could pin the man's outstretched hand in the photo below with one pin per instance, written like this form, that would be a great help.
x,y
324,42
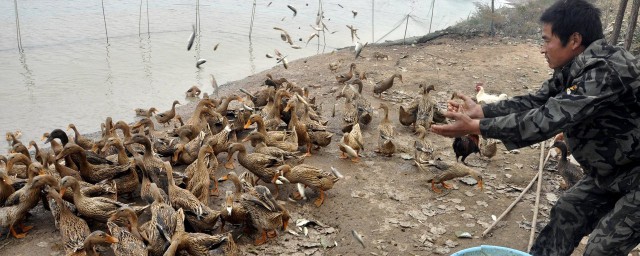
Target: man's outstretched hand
x,y
463,125
468,106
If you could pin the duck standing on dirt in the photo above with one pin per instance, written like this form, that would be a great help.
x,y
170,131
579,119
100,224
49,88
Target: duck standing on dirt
x,y
384,85
451,171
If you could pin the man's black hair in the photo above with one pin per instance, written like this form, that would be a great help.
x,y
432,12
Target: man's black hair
x,y
570,16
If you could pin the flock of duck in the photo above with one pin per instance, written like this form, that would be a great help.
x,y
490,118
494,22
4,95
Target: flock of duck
x,y
80,180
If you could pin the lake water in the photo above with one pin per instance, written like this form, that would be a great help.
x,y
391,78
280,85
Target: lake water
x,y
68,73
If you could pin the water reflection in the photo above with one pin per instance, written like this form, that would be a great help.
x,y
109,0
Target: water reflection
x,y
200,68
27,74
109,79
251,57
145,52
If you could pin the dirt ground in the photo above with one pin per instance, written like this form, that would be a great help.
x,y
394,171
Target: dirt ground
x,y
387,200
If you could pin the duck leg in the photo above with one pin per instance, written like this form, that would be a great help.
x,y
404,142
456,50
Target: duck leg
x,y
308,154
433,187
229,164
272,234
215,191
25,228
320,199
15,234
445,185
262,239
355,159
343,156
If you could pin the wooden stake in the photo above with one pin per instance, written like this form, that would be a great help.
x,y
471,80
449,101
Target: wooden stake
x,y
535,207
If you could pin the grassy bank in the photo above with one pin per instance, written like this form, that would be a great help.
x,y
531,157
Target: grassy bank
x,y
521,21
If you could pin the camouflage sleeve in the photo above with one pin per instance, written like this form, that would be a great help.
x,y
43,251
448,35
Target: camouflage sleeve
x,y
520,103
596,89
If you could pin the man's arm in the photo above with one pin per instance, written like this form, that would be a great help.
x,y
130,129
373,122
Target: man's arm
x,y
521,103
593,91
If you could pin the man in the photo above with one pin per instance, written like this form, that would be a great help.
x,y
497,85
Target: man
x,y
593,98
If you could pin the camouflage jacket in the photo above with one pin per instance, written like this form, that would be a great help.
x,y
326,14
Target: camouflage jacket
x,y
594,100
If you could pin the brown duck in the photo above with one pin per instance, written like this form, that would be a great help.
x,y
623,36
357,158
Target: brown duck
x,y
310,176
346,77
129,242
97,208
81,140
97,237
145,112
12,215
265,213
452,170
203,216
74,230
196,244
165,117
259,164
199,174
386,130
385,84
89,172
232,211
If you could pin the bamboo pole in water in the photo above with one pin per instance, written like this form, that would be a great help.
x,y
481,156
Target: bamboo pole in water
x,y
140,18
324,31
433,3
372,19
104,17
405,29
253,13
18,35
148,26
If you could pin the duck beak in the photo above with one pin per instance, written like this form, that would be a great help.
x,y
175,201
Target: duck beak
x,y
113,218
223,178
246,126
245,139
480,184
111,240
175,156
62,190
282,178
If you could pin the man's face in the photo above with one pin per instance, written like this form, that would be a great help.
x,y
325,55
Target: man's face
x,y
557,55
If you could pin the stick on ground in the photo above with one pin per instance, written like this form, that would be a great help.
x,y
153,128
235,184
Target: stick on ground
x,y
524,191
535,207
